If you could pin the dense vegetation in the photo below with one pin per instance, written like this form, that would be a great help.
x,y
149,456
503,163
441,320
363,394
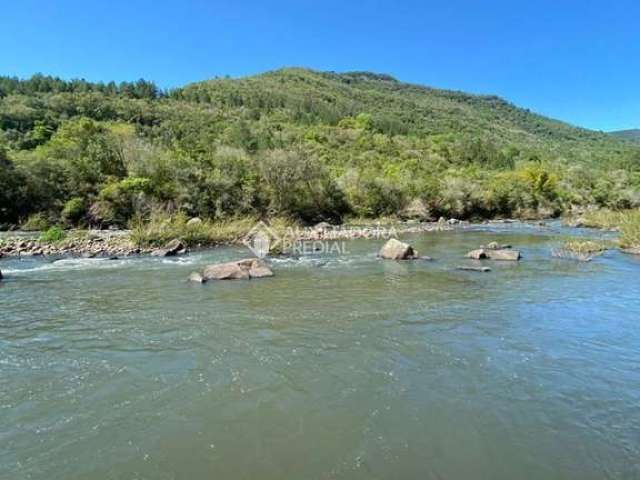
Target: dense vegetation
x,y
292,143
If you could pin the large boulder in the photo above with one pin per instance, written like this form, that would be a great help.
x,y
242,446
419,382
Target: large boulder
x,y
259,269
479,254
505,254
394,249
193,222
174,247
238,270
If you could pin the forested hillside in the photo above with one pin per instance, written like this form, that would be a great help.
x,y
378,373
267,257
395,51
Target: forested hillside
x,y
294,142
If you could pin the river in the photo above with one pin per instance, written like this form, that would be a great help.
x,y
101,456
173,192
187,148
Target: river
x,y
341,366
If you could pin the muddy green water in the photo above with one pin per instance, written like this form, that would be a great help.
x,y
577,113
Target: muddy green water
x,y
341,366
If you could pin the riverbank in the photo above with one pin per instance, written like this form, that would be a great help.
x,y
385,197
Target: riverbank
x,y
196,234
626,222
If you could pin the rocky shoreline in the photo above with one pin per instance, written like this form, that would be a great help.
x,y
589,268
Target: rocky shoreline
x,y
98,246
101,244
112,244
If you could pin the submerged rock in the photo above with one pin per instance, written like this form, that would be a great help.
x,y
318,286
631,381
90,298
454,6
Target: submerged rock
x,y
396,250
196,278
174,247
497,254
239,270
472,268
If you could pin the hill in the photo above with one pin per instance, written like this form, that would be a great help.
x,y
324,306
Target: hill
x,y
396,107
294,142
633,134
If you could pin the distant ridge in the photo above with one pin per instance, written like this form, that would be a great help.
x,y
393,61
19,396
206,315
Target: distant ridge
x,y
396,107
633,134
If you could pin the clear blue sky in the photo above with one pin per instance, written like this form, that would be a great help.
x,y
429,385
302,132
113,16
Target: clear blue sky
x,y
578,61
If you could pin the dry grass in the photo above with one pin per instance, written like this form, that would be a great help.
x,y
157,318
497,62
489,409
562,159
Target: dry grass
x,y
581,250
630,230
370,222
603,219
627,222
160,228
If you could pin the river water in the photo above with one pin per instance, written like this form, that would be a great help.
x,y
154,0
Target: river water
x,y
341,366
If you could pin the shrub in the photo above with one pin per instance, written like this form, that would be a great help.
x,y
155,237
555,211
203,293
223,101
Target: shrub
x,y
53,234
74,211
121,199
36,222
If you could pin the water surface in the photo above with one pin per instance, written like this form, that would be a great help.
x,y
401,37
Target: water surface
x,y
340,366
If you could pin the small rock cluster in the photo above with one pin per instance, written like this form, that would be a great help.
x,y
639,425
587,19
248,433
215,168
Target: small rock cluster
x,y
495,251
85,247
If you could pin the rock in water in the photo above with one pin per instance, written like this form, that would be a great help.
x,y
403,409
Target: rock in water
x,y
500,254
479,254
495,246
509,255
473,269
226,271
196,278
259,269
0,274
396,250
239,270
174,247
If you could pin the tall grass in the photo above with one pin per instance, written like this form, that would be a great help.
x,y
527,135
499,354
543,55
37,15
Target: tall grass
x,y
160,228
581,250
604,219
630,230
626,221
